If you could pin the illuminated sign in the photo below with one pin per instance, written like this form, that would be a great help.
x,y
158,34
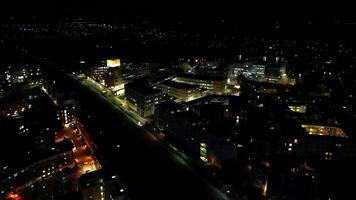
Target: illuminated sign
x,y
113,63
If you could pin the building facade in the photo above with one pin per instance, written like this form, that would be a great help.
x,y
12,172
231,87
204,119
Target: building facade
x,y
142,98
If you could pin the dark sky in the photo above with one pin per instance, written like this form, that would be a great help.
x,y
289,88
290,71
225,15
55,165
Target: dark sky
x,y
237,9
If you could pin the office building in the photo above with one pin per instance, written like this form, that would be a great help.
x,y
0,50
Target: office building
x,y
199,127
93,186
108,74
183,92
142,98
67,111
214,84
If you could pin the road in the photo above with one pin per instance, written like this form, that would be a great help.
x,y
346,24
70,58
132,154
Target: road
x,y
115,101
152,168
149,167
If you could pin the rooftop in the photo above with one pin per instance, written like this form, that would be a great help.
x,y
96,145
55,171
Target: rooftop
x,y
201,77
178,85
324,130
141,87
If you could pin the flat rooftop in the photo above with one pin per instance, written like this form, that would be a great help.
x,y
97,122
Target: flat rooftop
x,y
200,77
141,87
324,130
178,85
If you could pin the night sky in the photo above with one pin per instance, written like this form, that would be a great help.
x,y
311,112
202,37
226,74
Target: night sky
x,y
239,10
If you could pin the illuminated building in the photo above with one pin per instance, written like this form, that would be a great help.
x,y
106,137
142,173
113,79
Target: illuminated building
x,y
214,84
113,63
274,73
97,73
212,69
19,77
142,98
297,133
142,71
108,74
113,77
93,186
101,185
67,105
249,70
261,73
298,108
67,111
181,91
199,126
324,130
15,108
58,157
133,71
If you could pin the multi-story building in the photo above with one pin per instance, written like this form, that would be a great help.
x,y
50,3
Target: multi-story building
x,y
113,77
108,73
133,71
101,185
215,84
261,73
212,69
199,127
93,186
67,105
142,98
67,111
249,70
59,157
181,91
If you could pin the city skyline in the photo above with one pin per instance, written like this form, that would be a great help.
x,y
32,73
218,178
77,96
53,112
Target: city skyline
x,y
177,100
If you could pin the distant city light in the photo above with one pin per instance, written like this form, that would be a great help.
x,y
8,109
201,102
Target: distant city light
x,y
324,130
113,62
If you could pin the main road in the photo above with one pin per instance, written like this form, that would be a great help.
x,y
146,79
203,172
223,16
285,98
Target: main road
x,y
149,167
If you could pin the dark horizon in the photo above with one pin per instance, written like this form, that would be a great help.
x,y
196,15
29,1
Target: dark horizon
x,y
238,10
105,99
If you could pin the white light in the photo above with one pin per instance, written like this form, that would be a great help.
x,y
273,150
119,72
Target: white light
x,y
122,190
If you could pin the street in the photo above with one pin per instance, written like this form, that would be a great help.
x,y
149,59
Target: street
x,y
151,169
